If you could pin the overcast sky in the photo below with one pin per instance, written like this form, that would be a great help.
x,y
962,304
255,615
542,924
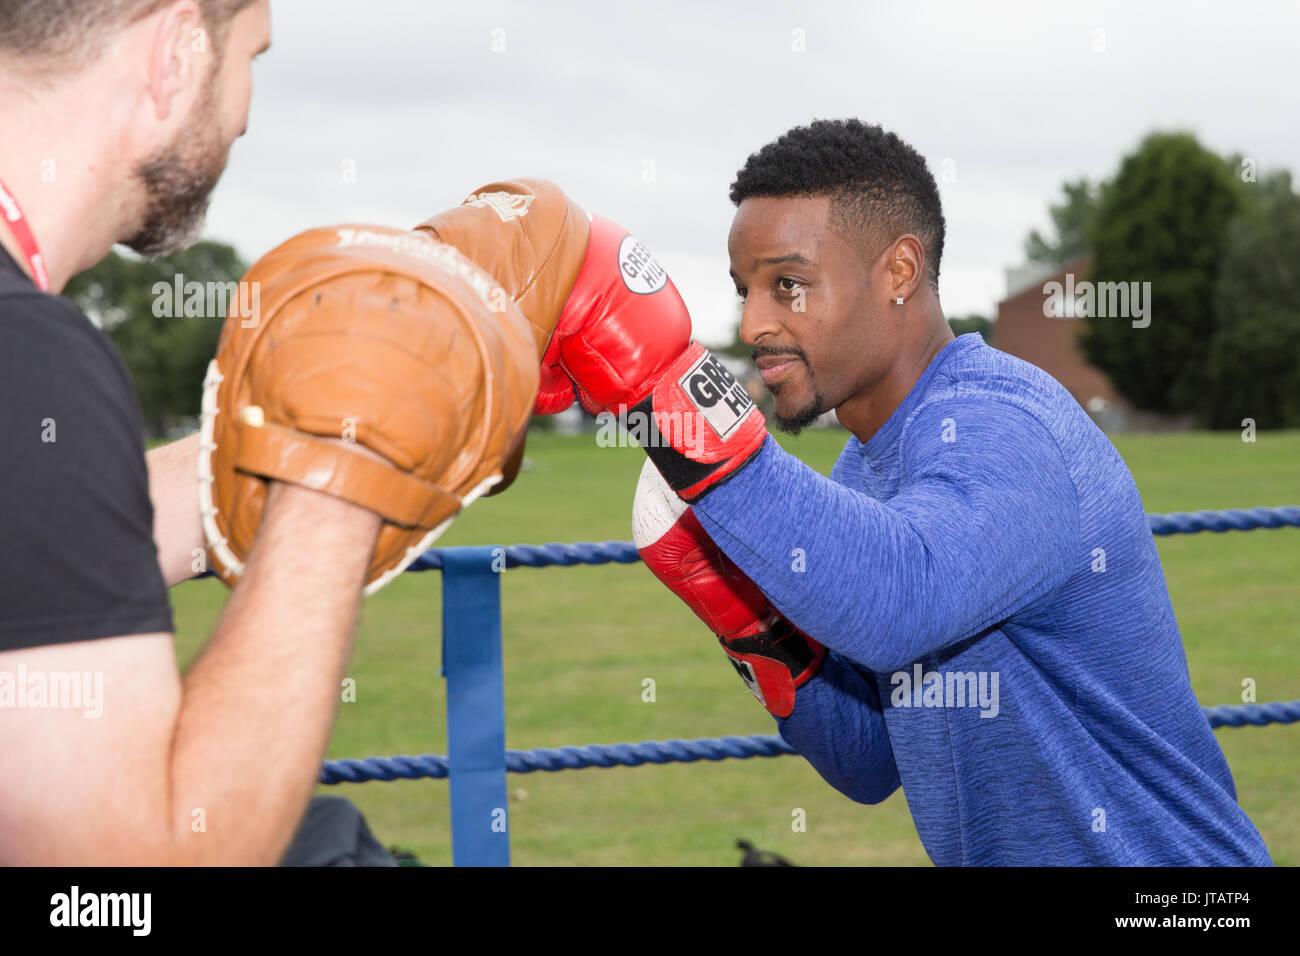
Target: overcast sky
x,y
643,112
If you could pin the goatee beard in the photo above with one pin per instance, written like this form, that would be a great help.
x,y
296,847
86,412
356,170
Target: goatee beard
x,y
805,416
797,422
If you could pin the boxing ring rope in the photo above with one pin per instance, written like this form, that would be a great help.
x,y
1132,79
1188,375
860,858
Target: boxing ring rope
x,y
565,758
477,760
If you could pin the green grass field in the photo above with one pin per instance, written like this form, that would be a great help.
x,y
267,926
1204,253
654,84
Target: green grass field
x,y
579,642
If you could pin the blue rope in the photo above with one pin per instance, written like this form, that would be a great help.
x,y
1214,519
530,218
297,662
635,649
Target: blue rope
x,y
565,758
547,555
383,768
756,745
1257,715
689,751
648,751
624,552
1234,519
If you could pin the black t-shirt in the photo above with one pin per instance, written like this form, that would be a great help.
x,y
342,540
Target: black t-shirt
x,y
77,556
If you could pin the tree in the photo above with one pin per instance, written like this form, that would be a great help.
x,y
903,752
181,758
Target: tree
x,y
1071,222
1162,220
166,347
1251,370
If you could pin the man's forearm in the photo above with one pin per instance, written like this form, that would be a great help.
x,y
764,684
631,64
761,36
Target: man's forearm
x,y
838,727
177,524
844,568
258,705
977,535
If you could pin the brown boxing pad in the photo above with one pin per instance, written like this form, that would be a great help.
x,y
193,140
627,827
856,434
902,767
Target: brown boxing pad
x,y
382,337
529,236
510,470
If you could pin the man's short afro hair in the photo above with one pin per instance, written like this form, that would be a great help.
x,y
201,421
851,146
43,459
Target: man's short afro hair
x,y
880,187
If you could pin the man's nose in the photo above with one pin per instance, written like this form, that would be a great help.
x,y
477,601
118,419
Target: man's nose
x,y
758,321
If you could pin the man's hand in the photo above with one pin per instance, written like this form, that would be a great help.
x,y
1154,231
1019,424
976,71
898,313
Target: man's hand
x,y
624,339
772,656
177,523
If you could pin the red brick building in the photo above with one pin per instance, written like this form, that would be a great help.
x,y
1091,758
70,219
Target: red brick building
x,y
1025,328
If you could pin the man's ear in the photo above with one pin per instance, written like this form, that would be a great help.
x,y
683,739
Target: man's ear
x,y
180,55
906,265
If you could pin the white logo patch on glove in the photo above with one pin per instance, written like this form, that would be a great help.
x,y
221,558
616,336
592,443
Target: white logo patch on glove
x,y
718,396
641,271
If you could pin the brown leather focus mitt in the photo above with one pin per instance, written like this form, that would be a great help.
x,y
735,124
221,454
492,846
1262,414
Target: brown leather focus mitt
x,y
532,239
381,336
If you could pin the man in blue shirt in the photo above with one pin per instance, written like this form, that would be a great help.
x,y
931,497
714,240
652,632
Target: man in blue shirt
x,y
977,522
977,576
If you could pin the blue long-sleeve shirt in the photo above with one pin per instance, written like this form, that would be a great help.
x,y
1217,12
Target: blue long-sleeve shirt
x,y
1001,640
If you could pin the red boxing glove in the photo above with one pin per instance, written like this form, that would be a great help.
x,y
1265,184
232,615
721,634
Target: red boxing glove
x,y
554,391
624,341
772,656
623,323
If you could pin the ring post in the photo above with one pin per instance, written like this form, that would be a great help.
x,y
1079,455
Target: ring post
x,y
476,714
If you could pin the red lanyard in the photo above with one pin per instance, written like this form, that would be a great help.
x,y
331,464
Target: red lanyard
x,y
13,214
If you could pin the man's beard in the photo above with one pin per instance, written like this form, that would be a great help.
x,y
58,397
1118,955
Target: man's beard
x,y
178,181
801,419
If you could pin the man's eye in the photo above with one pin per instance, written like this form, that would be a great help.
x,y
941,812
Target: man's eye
x,y
788,285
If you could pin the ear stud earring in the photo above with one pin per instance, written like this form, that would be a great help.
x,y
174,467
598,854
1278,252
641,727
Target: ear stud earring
x,y
898,300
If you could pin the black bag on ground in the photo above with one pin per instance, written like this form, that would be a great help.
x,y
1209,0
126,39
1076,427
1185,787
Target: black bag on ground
x,y
334,833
